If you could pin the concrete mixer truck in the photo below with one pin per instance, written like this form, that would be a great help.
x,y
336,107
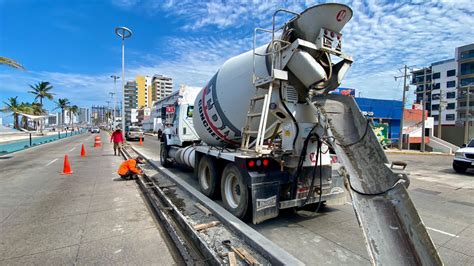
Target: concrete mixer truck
x,y
266,123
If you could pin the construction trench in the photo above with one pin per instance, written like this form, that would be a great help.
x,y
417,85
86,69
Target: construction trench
x,y
202,231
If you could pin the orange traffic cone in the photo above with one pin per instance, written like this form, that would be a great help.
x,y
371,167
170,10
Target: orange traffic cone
x,y
83,151
97,143
141,141
67,168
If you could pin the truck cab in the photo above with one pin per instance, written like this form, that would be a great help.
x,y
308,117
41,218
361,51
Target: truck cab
x,y
178,124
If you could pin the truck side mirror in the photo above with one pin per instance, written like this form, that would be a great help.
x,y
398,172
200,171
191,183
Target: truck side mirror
x,y
463,146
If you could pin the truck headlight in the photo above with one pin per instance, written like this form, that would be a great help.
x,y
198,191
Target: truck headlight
x,y
459,154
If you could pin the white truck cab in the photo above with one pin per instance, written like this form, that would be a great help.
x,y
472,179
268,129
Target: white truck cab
x,y
464,158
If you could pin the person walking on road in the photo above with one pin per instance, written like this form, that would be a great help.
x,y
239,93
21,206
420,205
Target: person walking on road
x,y
117,138
129,170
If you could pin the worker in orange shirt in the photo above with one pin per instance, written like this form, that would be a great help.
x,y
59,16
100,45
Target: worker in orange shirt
x,y
129,170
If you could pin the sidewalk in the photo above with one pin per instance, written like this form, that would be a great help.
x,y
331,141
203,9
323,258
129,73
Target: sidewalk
x,y
89,217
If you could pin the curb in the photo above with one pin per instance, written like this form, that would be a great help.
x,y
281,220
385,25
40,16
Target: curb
x,y
275,254
418,153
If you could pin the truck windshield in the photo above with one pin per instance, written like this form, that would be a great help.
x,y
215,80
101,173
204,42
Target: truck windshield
x,y
471,143
190,111
134,129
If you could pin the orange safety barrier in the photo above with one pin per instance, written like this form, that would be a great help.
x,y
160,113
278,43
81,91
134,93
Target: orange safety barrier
x,y
97,142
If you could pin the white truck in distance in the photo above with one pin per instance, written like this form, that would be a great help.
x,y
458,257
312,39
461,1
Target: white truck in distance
x,y
263,127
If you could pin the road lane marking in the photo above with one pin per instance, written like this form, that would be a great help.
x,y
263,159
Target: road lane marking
x,y
442,232
52,161
72,149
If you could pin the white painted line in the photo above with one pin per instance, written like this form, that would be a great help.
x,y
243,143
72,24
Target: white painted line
x,y
72,149
52,161
350,203
442,232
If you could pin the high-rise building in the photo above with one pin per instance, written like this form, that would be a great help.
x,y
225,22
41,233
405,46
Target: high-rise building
x,y
99,115
83,116
465,61
131,100
144,95
161,87
446,86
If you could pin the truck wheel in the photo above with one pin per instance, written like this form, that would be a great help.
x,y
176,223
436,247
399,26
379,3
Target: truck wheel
x,y
164,154
234,191
208,177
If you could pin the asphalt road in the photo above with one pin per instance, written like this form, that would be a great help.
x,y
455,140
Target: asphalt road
x,y
88,217
444,199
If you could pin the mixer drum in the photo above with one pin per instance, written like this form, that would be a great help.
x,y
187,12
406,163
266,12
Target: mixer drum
x,y
221,107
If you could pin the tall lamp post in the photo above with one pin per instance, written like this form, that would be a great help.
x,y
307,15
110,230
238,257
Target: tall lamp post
x,y
123,33
115,77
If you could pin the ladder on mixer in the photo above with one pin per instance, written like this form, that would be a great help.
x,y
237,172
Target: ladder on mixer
x,y
263,90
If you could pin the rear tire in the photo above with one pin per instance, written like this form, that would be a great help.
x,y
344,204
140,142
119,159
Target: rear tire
x,y
208,177
234,192
164,154
459,169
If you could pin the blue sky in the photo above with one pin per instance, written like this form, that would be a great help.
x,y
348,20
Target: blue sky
x,y
72,43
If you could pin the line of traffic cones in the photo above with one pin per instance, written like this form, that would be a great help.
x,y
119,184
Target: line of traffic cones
x,y
67,166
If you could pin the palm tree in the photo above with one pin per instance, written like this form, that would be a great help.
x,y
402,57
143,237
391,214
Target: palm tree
x,y
63,104
73,110
12,106
10,62
41,91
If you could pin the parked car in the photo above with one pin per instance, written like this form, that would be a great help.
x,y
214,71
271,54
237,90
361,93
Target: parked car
x,y
464,158
134,133
95,130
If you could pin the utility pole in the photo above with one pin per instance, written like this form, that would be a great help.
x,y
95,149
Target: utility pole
x,y
423,113
442,105
405,75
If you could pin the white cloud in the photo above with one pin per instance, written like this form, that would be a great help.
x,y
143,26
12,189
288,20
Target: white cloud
x,y
382,37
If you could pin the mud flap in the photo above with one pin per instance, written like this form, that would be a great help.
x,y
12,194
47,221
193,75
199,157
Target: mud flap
x,y
265,201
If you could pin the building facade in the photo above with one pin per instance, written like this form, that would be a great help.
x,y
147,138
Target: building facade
x,y
144,91
446,85
131,100
465,61
161,87
83,116
99,115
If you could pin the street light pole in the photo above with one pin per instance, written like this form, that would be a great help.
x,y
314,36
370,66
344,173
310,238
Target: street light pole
x,y
123,33
115,93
